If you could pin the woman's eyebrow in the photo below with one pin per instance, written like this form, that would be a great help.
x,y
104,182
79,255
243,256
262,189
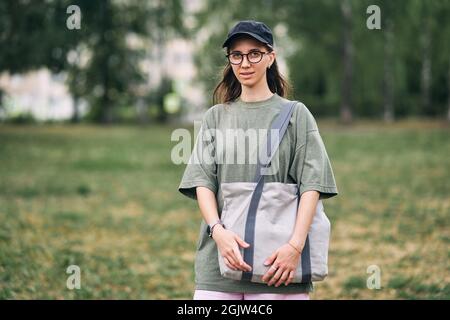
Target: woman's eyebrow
x,y
237,51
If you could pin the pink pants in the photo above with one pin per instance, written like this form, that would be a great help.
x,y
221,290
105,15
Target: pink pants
x,y
217,295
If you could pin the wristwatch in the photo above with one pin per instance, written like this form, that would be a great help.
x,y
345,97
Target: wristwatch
x,y
210,228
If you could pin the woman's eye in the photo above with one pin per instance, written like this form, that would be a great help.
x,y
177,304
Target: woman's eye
x,y
254,54
236,55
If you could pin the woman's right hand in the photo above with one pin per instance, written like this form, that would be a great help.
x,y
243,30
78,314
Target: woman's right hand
x,y
228,243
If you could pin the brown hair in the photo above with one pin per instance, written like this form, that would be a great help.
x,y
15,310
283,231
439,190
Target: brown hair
x,y
229,88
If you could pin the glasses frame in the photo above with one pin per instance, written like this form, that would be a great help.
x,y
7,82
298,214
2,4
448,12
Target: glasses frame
x,y
246,54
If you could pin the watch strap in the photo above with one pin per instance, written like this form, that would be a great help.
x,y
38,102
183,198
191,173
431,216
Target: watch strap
x,y
210,228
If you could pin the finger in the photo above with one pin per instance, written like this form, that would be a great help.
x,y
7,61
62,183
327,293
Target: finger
x,y
283,278
269,273
231,257
230,261
228,253
276,276
228,264
233,263
242,243
235,255
291,277
271,259
243,266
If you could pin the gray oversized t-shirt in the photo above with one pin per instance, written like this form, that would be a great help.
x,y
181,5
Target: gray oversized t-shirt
x,y
301,159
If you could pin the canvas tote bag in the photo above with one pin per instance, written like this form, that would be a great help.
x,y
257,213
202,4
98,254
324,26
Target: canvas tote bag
x,y
264,215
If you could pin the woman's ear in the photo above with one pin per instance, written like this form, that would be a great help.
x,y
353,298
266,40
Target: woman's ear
x,y
272,56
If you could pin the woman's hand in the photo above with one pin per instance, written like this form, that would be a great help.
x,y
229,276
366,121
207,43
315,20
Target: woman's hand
x,y
228,243
284,262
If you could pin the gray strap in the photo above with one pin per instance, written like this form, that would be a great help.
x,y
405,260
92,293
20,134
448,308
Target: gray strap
x,y
281,123
306,262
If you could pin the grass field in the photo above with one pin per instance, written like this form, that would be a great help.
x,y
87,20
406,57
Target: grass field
x,y
106,199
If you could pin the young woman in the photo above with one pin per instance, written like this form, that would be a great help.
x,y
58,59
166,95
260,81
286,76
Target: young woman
x,y
250,96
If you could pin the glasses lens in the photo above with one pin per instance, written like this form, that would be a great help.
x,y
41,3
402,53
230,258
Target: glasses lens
x,y
235,58
254,56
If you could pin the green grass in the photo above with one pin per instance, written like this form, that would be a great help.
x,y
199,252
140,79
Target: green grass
x,y
106,199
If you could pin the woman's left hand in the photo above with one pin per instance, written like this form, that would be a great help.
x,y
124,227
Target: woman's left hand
x,y
284,262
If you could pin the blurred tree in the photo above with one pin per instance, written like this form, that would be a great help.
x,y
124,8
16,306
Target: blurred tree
x,y
347,60
102,58
392,18
336,63
425,26
113,67
323,63
166,19
119,35
442,57
33,34
156,98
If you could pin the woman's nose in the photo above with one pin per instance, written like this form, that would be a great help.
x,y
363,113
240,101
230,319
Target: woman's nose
x,y
245,62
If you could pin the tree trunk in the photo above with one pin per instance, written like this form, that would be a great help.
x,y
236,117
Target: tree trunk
x,y
160,43
105,102
107,116
347,62
426,67
142,112
76,110
448,92
388,72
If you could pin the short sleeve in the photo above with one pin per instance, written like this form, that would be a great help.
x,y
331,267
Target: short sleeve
x,y
311,166
201,169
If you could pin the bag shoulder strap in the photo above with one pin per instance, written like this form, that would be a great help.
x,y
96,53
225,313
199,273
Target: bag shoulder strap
x,y
280,124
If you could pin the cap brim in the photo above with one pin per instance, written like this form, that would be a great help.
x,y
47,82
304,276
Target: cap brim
x,y
227,42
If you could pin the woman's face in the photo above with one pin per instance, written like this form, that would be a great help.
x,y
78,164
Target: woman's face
x,y
251,74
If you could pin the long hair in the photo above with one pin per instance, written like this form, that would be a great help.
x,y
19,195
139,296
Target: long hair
x,y
229,88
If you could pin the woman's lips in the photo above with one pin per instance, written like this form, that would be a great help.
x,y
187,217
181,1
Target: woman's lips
x,y
246,74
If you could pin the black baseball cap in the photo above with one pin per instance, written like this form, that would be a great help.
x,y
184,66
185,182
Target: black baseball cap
x,y
256,29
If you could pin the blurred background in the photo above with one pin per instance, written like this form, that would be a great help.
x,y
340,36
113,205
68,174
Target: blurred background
x,y
91,91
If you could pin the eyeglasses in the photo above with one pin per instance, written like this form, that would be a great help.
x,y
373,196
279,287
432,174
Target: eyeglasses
x,y
252,57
